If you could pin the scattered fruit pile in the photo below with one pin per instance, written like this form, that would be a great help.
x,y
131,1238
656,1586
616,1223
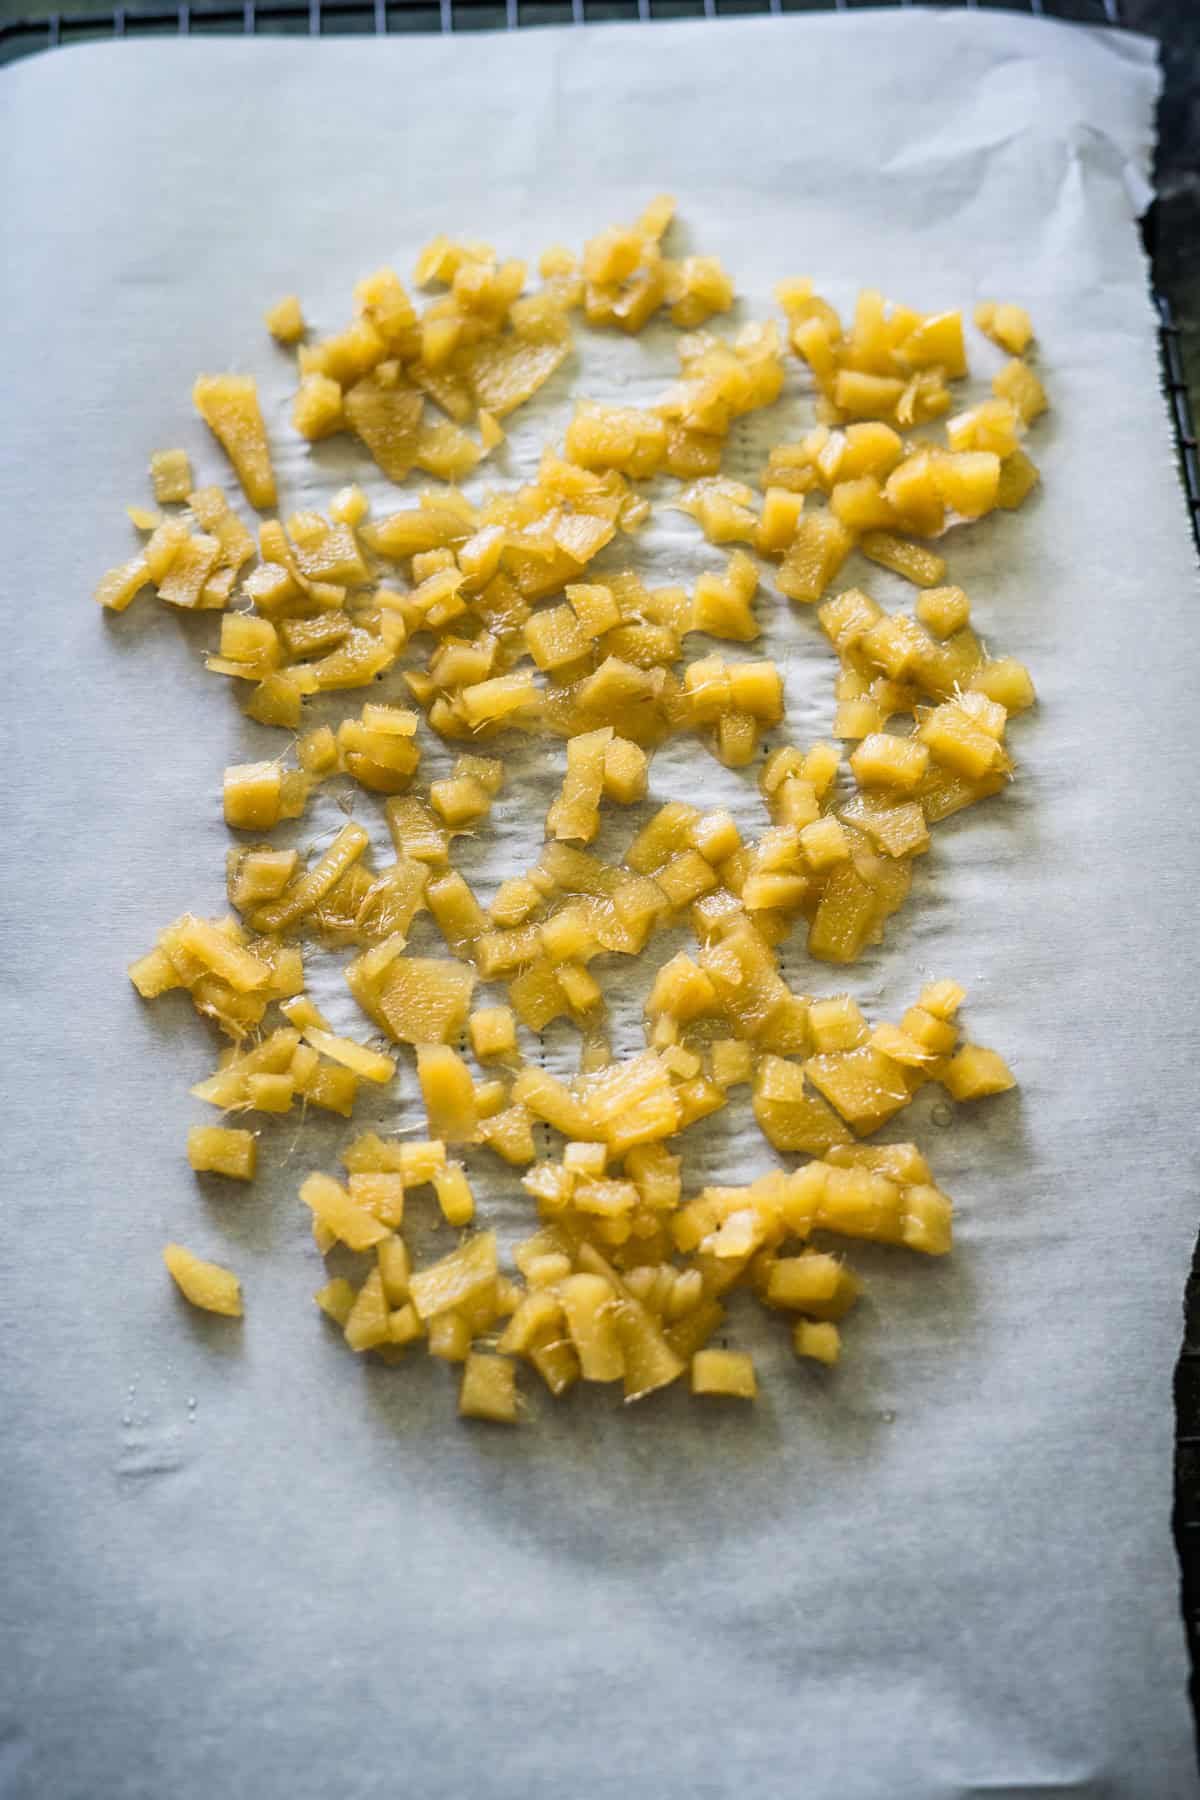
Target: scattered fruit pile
x,y
491,620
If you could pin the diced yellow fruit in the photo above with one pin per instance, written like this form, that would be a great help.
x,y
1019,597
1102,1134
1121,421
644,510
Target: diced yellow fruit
x,y
936,342
285,320
896,1044
927,1220
957,741
625,771
253,795
206,1285
333,1088
1010,326
790,1115
352,1224
862,505
1017,383
918,565
422,1000
448,1092
228,404
865,1087
942,998
864,396
729,1372
1007,682
488,1389
818,550
590,1307
823,843
456,1280
797,1282
837,1024
217,1150
732,1062
454,1194
818,1341
270,1093
885,761
944,610
493,1032
336,1300
171,475
369,1065
381,1193
369,1325
595,608
993,425
968,481
1018,478
974,1072
575,814
317,407
555,637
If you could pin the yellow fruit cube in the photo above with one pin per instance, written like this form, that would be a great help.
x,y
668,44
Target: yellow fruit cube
x,y
944,610
253,795
488,1389
818,550
974,1072
206,1285
942,998
818,1341
865,1087
333,1206
590,1305
823,842
285,320
216,1150
454,1194
993,425
796,1282
336,1300
381,1193
228,404
918,565
779,520
955,739
1010,326
170,475
625,771
837,1024
968,481
493,1032
731,1061
728,1372
1018,478
1006,681
456,1280
885,761
927,1220
448,1092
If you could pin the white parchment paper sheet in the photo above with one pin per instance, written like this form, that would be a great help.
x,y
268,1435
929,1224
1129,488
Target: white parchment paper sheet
x,y
236,1560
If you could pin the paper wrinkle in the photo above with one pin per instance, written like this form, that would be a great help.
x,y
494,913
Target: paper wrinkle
x,y
944,1570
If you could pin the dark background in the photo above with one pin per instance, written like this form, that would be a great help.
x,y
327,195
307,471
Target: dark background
x,y
1172,235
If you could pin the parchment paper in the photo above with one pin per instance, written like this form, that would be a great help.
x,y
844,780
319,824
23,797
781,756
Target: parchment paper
x,y
238,1561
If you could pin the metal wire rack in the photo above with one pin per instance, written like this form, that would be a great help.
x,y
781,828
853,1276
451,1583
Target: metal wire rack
x,y
386,18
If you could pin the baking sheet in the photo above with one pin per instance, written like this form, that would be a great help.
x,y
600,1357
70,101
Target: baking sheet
x,y
235,1559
